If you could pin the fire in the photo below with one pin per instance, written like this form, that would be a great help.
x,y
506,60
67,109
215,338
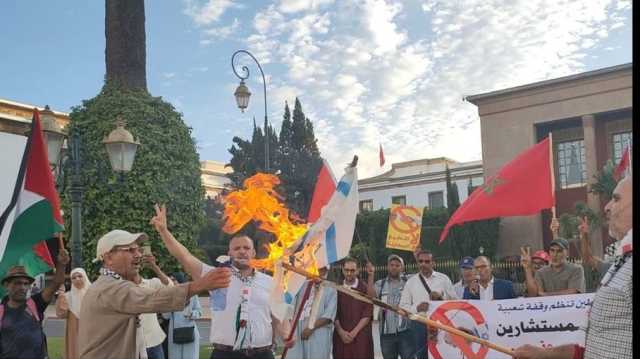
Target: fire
x,y
260,202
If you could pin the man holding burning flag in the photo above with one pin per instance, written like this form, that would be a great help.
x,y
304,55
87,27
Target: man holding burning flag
x,y
234,335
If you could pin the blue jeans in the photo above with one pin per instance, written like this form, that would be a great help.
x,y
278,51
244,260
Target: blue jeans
x,y
155,352
420,340
401,344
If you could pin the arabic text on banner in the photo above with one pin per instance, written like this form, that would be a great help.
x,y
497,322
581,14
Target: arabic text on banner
x,y
539,321
405,223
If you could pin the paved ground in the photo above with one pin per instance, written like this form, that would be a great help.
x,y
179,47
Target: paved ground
x,y
54,327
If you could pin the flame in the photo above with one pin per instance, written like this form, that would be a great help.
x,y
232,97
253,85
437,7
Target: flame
x,y
260,202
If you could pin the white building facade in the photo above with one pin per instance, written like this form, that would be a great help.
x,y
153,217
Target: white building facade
x,y
419,183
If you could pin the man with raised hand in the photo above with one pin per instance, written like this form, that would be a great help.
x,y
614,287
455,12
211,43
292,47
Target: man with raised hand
x,y
110,315
242,323
609,328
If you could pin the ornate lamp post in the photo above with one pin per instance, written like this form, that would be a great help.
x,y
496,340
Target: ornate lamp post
x,y
121,148
242,95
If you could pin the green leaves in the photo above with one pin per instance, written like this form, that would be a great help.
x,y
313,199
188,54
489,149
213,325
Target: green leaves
x,y
166,170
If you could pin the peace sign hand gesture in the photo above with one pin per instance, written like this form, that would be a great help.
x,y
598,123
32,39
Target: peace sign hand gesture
x,y
525,257
159,221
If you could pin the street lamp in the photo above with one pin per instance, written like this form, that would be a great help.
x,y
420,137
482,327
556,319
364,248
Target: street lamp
x,y
53,135
242,95
121,148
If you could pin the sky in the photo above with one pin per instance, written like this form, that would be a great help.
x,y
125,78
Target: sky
x,y
367,72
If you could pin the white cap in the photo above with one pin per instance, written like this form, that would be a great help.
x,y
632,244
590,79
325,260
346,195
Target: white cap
x,y
117,237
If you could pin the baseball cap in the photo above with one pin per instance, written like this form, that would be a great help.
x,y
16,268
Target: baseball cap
x,y
541,255
560,242
395,257
117,237
466,262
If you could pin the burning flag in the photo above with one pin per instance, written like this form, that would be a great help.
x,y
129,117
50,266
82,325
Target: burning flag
x,y
328,240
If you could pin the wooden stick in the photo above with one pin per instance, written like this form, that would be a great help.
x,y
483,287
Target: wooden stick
x,y
413,316
60,240
553,174
305,297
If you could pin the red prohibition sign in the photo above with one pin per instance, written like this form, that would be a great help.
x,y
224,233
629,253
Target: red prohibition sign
x,y
402,214
440,315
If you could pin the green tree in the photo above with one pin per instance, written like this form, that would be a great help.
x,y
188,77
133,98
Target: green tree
x,y
166,168
294,154
453,199
604,183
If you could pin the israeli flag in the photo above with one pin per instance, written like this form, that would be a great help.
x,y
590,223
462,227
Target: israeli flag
x,y
327,241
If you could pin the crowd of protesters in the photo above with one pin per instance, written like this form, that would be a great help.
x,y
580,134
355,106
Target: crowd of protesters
x,y
120,314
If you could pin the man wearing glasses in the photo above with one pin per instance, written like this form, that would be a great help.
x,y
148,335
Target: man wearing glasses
x,y
109,317
420,289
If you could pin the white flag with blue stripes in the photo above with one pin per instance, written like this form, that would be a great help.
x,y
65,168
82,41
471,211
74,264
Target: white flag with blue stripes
x,y
327,241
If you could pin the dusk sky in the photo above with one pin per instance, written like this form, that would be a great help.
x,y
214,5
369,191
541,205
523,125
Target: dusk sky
x,y
366,72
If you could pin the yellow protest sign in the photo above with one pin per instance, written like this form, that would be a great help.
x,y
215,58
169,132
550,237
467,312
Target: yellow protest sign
x,y
405,223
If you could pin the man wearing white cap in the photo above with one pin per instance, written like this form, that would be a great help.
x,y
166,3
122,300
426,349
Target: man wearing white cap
x,y
109,318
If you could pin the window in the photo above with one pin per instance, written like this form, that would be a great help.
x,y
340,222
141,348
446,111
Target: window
x,y
366,205
474,183
571,164
401,200
436,199
620,143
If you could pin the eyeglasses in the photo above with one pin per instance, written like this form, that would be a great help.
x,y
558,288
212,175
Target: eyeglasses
x,y
482,266
131,250
349,270
424,261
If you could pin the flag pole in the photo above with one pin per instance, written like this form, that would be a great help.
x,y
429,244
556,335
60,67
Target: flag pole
x,y
305,297
412,316
553,182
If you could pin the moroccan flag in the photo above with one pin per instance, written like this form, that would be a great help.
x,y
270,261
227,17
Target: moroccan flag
x,y
622,166
325,186
29,202
522,187
381,154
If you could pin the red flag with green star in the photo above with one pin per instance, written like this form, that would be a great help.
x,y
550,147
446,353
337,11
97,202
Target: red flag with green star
x,y
522,187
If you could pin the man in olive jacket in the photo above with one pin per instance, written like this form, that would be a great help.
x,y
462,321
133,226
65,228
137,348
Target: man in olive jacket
x,y
109,318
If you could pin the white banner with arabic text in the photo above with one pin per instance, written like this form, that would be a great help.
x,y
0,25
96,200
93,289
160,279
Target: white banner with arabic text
x,y
540,321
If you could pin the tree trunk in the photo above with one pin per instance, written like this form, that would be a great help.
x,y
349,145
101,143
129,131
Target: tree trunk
x,y
125,53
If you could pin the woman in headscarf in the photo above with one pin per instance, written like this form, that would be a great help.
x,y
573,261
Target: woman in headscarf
x,y
183,321
68,306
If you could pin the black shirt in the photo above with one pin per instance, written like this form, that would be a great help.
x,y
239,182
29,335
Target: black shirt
x,y
21,336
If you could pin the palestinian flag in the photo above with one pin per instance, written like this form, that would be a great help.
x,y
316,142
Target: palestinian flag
x,y
29,202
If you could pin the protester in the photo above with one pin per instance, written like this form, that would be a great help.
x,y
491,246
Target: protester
x,y
609,332
594,267
395,337
467,275
533,264
559,277
419,290
243,309
352,336
487,287
315,342
21,333
184,337
154,336
110,313
68,307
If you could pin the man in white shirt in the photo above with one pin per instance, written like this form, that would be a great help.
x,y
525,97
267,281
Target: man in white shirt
x,y
467,275
420,289
244,327
153,333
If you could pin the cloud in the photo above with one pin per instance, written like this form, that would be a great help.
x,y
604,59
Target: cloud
x,y
214,34
209,12
395,72
292,6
